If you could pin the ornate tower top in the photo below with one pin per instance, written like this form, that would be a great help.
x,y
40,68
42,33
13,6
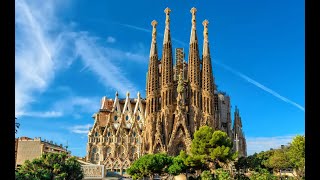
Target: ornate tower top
x,y
206,51
153,49
154,24
205,30
167,11
193,37
166,37
193,12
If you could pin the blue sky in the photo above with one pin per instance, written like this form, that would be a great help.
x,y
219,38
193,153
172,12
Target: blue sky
x,y
68,55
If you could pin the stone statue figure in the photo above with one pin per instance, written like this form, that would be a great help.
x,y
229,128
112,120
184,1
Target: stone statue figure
x,y
180,87
180,90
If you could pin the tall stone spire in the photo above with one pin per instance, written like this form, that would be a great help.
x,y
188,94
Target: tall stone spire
x,y
166,81
194,76
167,37
152,101
153,73
207,81
193,37
153,48
238,134
166,65
206,50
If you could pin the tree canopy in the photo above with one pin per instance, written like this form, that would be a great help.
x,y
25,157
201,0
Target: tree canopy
x,y
178,164
279,160
213,148
50,166
297,153
150,164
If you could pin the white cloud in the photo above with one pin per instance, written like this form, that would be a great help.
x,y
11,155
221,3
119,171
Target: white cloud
x,y
34,67
101,61
75,105
111,39
81,129
258,144
46,114
44,45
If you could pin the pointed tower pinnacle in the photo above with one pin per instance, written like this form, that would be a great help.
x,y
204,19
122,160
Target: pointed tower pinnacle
x,y
207,84
166,65
153,75
167,37
194,76
153,49
193,36
152,93
206,51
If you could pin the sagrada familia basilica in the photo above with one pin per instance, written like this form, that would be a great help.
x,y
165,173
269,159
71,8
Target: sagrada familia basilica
x,y
180,98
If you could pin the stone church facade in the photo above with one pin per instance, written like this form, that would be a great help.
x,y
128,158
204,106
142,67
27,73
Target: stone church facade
x,y
180,97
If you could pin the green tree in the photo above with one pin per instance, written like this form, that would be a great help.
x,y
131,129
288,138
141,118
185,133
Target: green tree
x,y
263,158
50,166
254,162
262,174
206,175
178,164
213,148
150,164
296,154
241,163
222,174
279,160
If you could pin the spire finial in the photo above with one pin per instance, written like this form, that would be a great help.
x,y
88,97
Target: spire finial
x,y
128,94
154,30
167,11
166,37
193,12
205,30
117,93
138,94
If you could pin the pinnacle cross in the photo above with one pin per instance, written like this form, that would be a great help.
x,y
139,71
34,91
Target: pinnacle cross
x,y
154,23
154,30
205,30
193,12
205,23
167,11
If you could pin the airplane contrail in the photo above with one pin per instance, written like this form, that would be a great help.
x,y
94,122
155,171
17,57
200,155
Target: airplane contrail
x,y
248,79
259,85
149,31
